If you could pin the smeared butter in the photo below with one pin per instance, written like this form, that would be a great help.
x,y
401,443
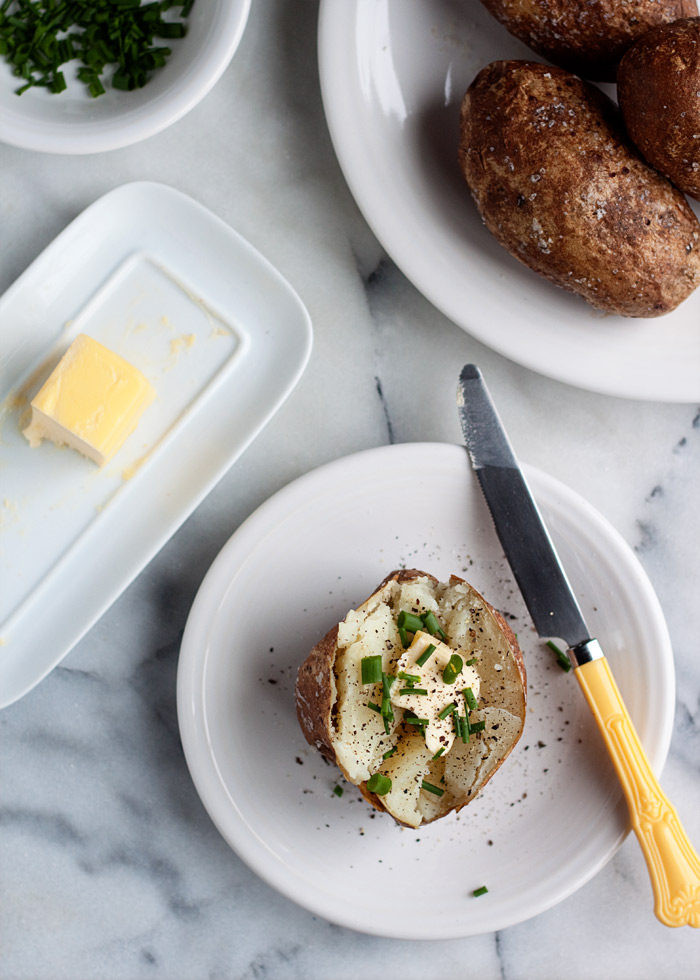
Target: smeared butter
x,y
91,402
439,732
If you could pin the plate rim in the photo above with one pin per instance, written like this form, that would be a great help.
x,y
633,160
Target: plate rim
x,y
281,393
194,655
338,20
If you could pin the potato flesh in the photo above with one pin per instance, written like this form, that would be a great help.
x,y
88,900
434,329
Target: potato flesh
x,y
360,741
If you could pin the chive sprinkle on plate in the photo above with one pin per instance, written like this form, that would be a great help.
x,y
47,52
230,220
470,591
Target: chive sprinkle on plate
x,y
338,790
114,42
479,891
562,658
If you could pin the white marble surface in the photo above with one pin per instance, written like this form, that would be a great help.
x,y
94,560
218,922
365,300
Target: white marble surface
x,y
110,866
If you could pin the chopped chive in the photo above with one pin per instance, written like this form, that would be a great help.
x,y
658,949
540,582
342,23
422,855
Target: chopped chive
x,y
470,699
371,669
409,621
413,690
338,790
405,642
438,753
387,728
388,755
432,625
447,711
471,661
478,726
453,669
408,677
374,707
563,659
479,891
419,722
387,712
431,789
426,655
117,37
462,727
379,784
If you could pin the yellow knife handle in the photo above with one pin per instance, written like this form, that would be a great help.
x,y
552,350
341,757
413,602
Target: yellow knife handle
x,y
674,866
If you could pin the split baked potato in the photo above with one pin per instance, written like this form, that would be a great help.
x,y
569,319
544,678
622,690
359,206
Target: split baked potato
x,y
418,695
588,37
559,185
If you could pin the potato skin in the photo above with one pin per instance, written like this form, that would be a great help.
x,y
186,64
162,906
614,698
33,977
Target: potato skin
x,y
314,702
557,183
659,93
588,37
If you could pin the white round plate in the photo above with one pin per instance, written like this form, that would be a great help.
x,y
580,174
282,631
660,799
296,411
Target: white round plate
x,y
393,74
73,122
554,814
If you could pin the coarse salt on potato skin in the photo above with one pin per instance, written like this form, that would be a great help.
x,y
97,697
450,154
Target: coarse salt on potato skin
x,y
587,37
658,87
558,184
502,700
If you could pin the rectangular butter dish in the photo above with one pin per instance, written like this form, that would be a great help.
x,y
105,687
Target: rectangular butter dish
x,y
222,337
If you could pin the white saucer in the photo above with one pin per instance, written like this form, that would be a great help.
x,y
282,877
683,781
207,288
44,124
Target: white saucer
x,y
393,74
550,819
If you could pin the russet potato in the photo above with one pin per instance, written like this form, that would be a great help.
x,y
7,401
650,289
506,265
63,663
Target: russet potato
x,y
659,94
588,37
557,182
333,703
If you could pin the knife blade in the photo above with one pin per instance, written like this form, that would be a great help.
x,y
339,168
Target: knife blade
x,y
519,525
673,865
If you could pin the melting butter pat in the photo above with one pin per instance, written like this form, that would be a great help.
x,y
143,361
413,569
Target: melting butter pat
x,y
91,402
439,732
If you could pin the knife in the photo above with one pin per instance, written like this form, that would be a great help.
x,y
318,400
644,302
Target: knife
x,y
673,864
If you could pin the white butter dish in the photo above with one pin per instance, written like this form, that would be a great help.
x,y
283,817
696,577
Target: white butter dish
x,y
221,336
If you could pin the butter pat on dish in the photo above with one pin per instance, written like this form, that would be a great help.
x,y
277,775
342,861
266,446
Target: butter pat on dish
x,y
91,402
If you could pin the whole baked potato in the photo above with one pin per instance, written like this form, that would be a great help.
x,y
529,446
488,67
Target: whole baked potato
x,y
658,87
586,36
559,185
383,695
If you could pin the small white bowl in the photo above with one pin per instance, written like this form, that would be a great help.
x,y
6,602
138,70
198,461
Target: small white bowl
x,y
73,122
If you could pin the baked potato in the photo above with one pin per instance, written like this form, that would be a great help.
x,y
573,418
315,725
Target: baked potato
x,y
658,87
586,36
559,185
394,713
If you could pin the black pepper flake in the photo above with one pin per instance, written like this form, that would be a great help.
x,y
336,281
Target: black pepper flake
x,y
299,762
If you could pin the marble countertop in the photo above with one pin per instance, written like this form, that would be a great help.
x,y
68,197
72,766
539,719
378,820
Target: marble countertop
x,y
110,865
